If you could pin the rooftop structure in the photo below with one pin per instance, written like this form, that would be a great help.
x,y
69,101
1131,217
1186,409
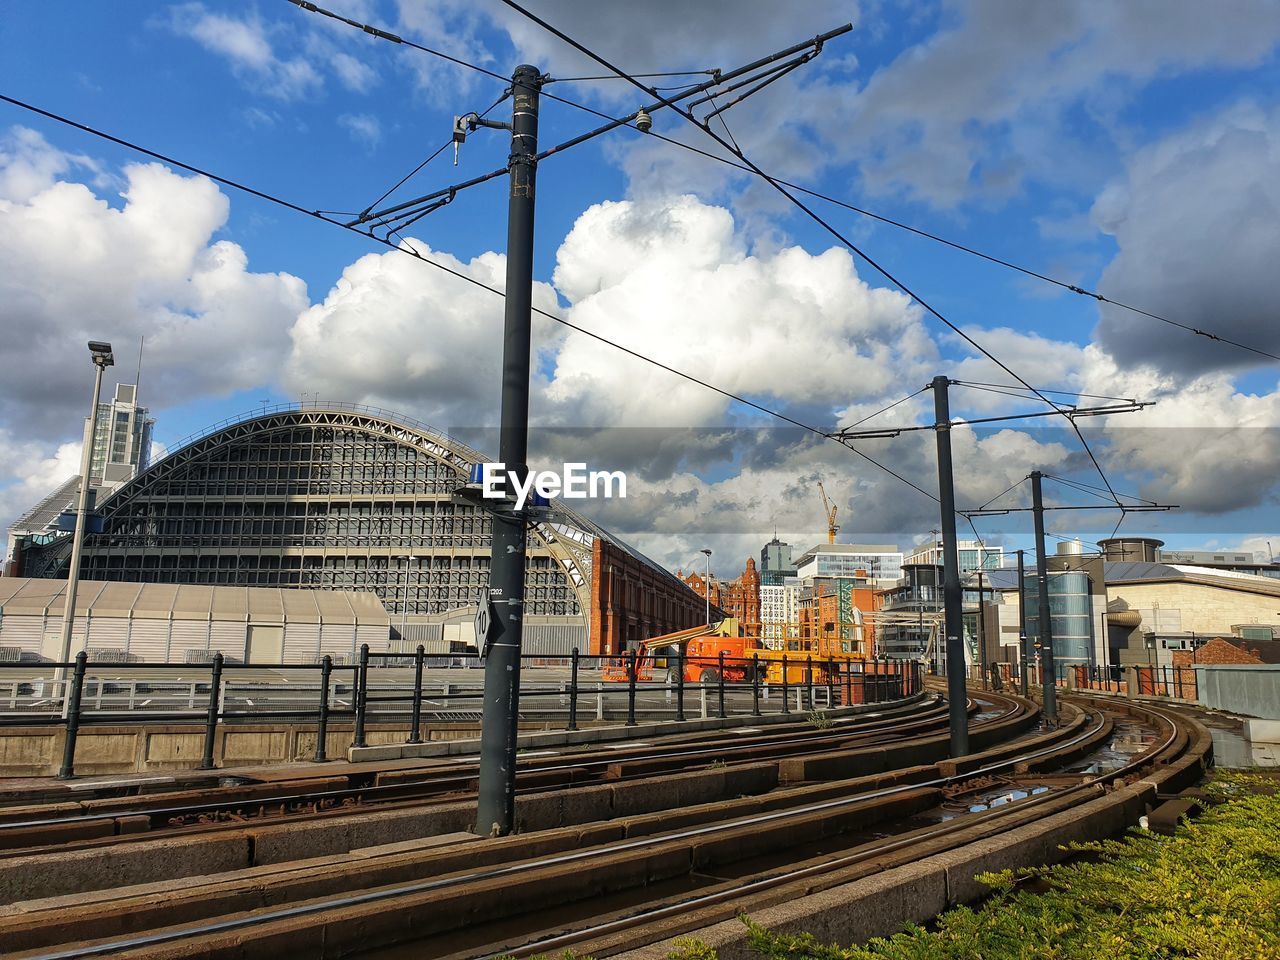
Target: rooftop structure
x,y
343,497
880,562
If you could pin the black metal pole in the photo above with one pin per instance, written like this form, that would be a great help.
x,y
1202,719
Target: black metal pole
x,y
808,680
831,683
68,770
322,721
720,682
573,690
1048,676
495,814
786,707
1024,651
755,684
362,694
1106,642
680,684
415,722
631,688
981,632
953,613
211,720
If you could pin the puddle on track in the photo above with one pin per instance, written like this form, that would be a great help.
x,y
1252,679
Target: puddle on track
x,y
1128,739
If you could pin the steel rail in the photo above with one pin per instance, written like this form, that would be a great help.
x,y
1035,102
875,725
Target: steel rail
x,y
766,883
923,719
378,896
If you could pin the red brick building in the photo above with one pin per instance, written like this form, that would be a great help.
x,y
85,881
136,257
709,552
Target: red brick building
x,y
633,601
736,598
827,622
1233,650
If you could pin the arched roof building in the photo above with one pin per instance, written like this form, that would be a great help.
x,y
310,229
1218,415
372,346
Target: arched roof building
x,y
346,497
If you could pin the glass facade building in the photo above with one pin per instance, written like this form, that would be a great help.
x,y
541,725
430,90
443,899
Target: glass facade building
x,y
775,563
121,439
1070,615
848,561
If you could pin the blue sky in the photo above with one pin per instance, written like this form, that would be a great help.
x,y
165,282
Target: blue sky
x,y
1129,148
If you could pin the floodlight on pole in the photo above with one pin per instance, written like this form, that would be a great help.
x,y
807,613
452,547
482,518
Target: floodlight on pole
x,y
100,353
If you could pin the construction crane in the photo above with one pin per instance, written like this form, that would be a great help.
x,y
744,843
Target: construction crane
x,y
830,509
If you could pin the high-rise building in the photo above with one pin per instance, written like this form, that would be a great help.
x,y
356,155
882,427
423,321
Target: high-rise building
x,y
775,563
121,448
780,612
121,439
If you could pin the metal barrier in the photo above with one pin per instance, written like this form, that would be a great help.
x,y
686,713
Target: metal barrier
x,y
403,689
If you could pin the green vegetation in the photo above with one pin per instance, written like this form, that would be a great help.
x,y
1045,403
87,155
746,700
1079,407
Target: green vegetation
x,y
1212,892
819,719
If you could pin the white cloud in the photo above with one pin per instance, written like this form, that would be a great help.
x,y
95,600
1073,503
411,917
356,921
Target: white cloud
x,y
363,127
246,46
354,74
674,280
986,101
30,470
28,166
74,267
399,333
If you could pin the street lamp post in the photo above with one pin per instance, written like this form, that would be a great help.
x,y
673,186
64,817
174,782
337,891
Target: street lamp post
x,y
707,584
102,358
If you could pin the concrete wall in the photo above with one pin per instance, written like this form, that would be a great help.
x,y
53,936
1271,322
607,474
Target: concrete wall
x,y
37,751
1253,691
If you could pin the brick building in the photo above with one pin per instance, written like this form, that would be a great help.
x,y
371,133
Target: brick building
x,y
1233,650
633,601
738,598
831,618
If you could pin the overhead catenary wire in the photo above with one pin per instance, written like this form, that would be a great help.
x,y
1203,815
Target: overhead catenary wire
x,y
745,167
1092,491
994,387
408,250
610,76
816,218
895,403
439,150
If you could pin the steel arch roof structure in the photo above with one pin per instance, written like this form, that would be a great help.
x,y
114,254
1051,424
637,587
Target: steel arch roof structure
x,y
136,514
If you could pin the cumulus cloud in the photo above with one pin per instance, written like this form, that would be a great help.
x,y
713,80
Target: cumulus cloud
x,y
30,470
1194,217
400,333
674,280
75,267
1207,446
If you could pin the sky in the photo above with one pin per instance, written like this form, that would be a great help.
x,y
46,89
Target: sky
x,y
1131,149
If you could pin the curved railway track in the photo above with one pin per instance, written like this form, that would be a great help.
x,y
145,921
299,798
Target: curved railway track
x,y
620,882
26,828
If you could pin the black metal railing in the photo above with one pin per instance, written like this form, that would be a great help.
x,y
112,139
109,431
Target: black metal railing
x,y
404,690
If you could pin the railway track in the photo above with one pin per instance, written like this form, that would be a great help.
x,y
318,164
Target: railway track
x,y
669,851
23,829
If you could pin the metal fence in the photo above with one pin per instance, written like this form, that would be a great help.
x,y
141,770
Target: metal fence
x,y
1152,681
395,688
